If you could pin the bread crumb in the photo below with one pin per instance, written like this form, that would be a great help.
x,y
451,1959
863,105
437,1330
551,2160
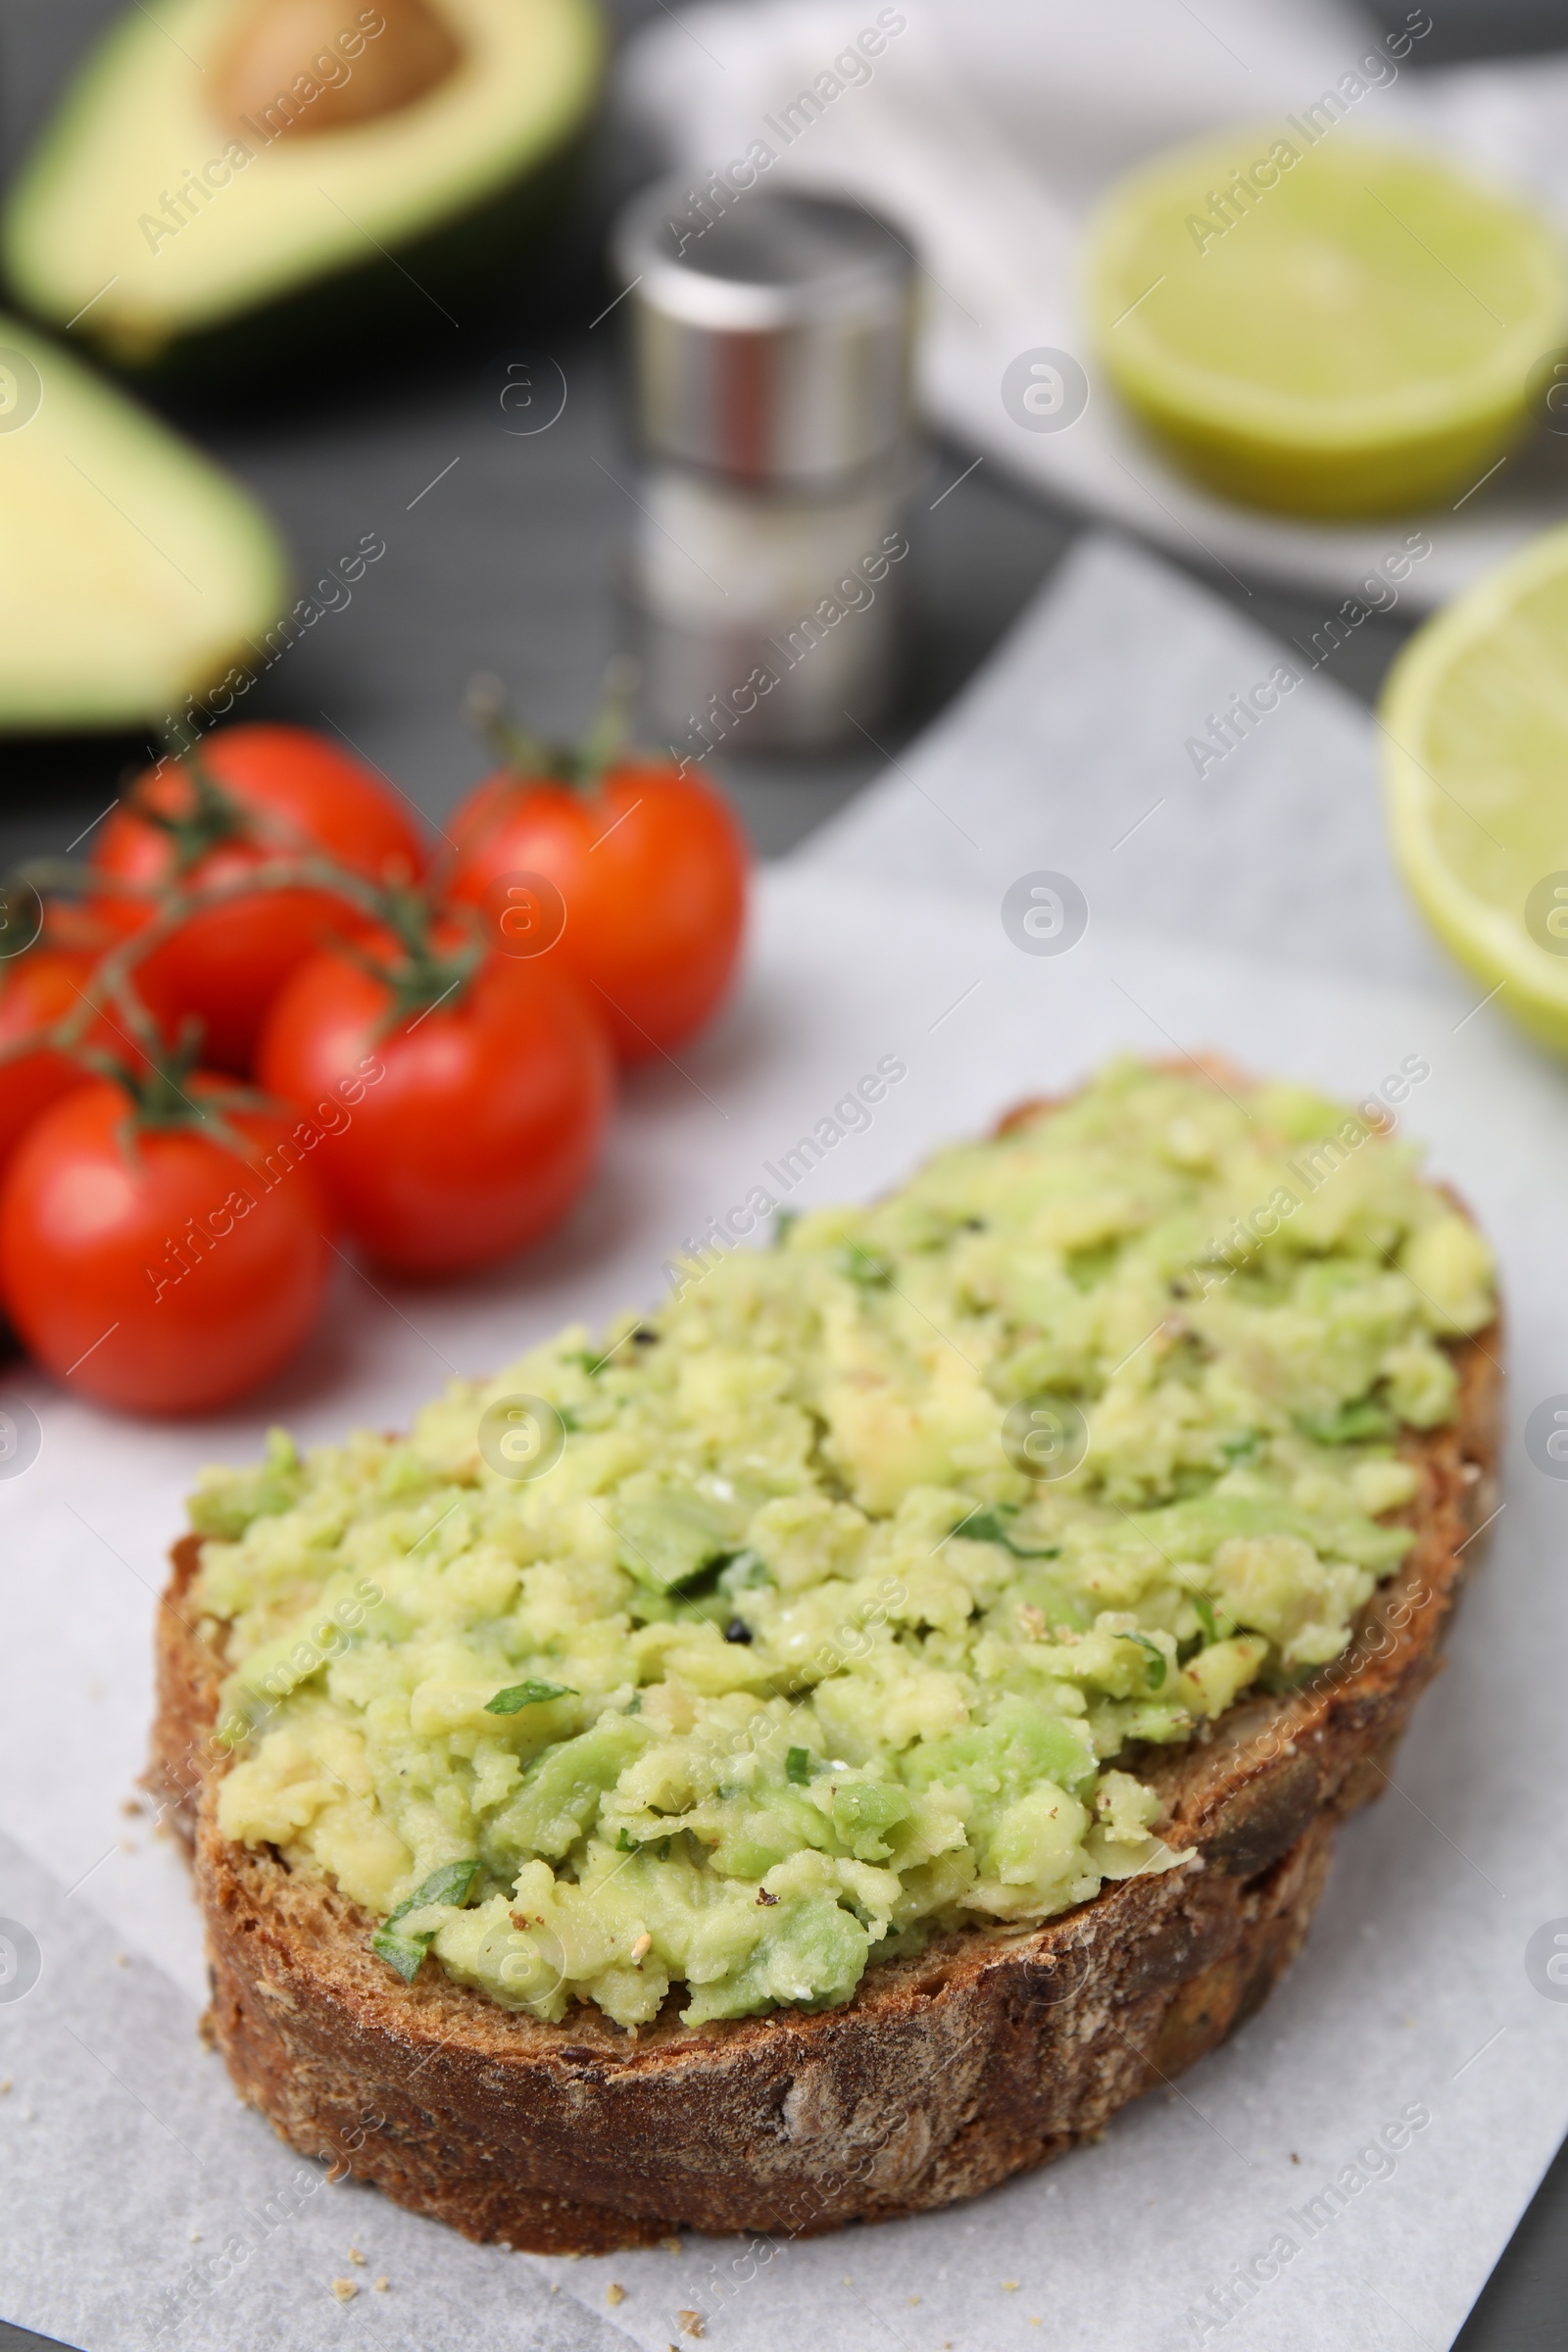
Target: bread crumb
x,y
131,1808
355,2256
382,2284
671,2246
5,2086
195,2238
345,2289
914,2298
1009,2287
615,2292
121,1959
1034,2319
691,2322
1295,2158
642,1947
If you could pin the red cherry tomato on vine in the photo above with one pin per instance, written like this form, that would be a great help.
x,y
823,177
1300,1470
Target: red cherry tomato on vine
x,y
469,1129
651,869
72,923
157,1268
37,990
281,791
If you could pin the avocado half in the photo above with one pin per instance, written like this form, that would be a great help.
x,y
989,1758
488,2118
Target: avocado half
x,y
177,234
138,572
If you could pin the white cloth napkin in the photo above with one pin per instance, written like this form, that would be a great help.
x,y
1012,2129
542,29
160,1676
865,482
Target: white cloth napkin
x,y
992,129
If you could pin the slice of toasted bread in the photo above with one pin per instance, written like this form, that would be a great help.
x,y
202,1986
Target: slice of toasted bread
x,y
990,2053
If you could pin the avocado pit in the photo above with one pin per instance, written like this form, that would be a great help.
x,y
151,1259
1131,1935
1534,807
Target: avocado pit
x,y
314,66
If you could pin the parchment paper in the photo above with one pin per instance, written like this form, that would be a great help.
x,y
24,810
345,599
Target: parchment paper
x,y
120,2136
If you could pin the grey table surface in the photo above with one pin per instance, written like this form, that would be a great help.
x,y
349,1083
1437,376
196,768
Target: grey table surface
x,y
502,555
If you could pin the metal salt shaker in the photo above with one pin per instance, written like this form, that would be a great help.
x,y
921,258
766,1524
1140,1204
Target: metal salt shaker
x,y
773,368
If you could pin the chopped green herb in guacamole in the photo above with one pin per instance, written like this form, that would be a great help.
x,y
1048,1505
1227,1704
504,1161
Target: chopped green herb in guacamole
x,y
788,1659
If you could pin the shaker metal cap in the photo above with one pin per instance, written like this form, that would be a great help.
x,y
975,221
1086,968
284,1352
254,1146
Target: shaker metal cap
x,y
773,343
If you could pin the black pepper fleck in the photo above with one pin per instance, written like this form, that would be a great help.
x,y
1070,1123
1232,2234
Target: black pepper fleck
x,y
737,1629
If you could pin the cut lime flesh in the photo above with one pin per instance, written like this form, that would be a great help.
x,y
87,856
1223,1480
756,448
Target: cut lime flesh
x,y
1474,729
1353,335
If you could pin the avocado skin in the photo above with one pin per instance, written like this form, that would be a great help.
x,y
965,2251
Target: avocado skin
x,y
349,315
475,264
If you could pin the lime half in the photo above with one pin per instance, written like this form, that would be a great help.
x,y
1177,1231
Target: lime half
x,y
1326,326
1474,724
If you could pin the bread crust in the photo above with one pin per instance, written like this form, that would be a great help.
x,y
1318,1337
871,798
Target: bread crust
x,y
990,2053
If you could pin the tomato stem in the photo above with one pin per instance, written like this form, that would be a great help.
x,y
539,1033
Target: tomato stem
x,y
580,765
213,816
158,1097
111,987
608,731
422,975
485,710
419,976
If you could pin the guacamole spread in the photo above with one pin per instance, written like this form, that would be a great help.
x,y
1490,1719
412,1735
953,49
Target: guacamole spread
x,y
837,1599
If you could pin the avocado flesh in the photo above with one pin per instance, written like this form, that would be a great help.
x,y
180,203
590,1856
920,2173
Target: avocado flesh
x,y
285,214
136,570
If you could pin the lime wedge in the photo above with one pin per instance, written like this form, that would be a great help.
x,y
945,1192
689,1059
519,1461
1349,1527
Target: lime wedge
x,y
1328,326
1473,726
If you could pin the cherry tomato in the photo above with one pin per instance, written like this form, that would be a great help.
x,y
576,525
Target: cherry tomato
x,y
72,923
470,1127
37,990
282,790
159,1269
650,868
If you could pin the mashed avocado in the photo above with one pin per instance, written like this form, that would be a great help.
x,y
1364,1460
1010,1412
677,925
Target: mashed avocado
x,y
789,1657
